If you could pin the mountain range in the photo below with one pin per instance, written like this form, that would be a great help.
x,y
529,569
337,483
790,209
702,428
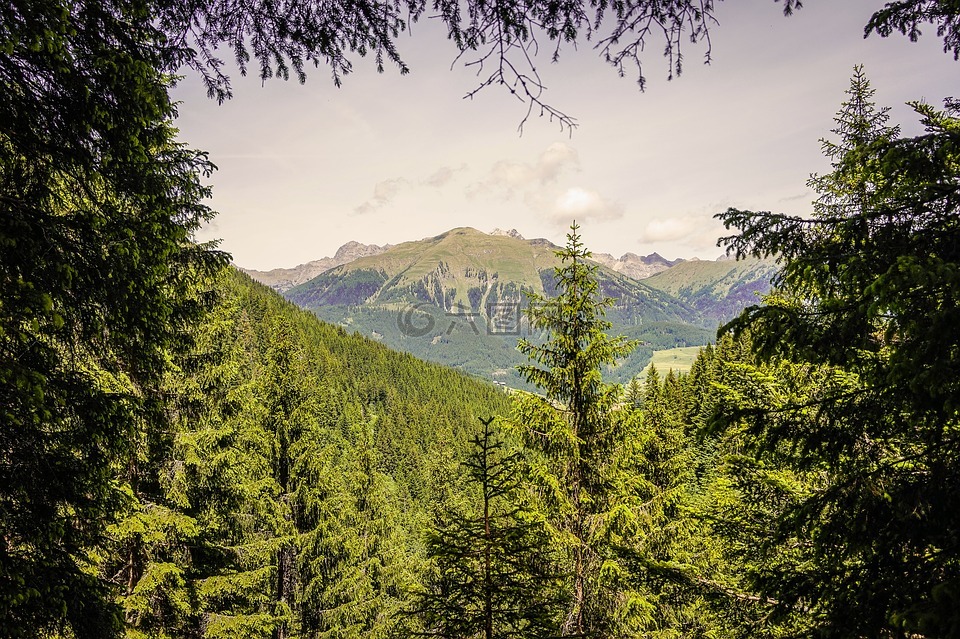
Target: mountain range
x,y
457,298
283,279
716,290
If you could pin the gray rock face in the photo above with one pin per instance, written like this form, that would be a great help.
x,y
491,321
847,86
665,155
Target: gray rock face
x,y
355,250
636,266
511,233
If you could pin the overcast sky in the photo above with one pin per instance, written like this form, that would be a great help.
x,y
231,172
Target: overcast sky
x,y
390,158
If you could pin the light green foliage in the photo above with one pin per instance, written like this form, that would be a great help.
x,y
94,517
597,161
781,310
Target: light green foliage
x,y
98,285
575,441
356,563
736,498
267,506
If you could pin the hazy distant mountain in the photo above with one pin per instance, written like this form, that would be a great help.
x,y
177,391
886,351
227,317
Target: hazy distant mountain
x,y
718,290
469,271
456,298
282,279
636,266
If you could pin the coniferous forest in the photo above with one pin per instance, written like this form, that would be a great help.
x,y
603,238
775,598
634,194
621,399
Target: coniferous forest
x,y
185,454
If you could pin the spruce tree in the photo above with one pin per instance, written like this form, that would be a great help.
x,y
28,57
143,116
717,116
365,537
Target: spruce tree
x,y
575,441
494,574
867,306
354,563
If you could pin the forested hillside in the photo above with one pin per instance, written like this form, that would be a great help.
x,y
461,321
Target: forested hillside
x,y
287,494
308,482
183,454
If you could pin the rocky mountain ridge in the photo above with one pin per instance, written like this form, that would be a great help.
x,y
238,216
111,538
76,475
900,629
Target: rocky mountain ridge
x,y
638,267
283,279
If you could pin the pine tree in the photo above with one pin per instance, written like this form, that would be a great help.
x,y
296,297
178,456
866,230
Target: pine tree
x,y
227,448
354,561
494,574
866,307
575,442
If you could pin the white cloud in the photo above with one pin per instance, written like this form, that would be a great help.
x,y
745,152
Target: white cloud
x,y
554,160
443,175
668,230
506,178
383,193
698,231
583,204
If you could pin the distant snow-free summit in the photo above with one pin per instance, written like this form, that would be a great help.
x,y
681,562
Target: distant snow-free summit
x,y
283,279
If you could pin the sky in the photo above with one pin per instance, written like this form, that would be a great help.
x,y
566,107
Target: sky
x,y
303,169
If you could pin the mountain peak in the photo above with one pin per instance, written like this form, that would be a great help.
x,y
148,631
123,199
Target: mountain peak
x,y
353,250
511,233
283,279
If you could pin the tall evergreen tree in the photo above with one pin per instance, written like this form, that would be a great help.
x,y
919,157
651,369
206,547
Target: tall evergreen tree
x,y
575,439
355,564
868,301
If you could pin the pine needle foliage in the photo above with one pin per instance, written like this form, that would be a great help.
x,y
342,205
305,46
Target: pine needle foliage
x,y
868,304
574,438
495,573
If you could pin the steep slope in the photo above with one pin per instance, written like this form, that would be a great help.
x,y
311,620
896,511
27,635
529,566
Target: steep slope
x,y
414,402
718,290
456,299
292,469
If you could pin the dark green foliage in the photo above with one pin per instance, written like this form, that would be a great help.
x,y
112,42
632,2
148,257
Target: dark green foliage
x,y
494,571
866,310
330,288
97,206
907,17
